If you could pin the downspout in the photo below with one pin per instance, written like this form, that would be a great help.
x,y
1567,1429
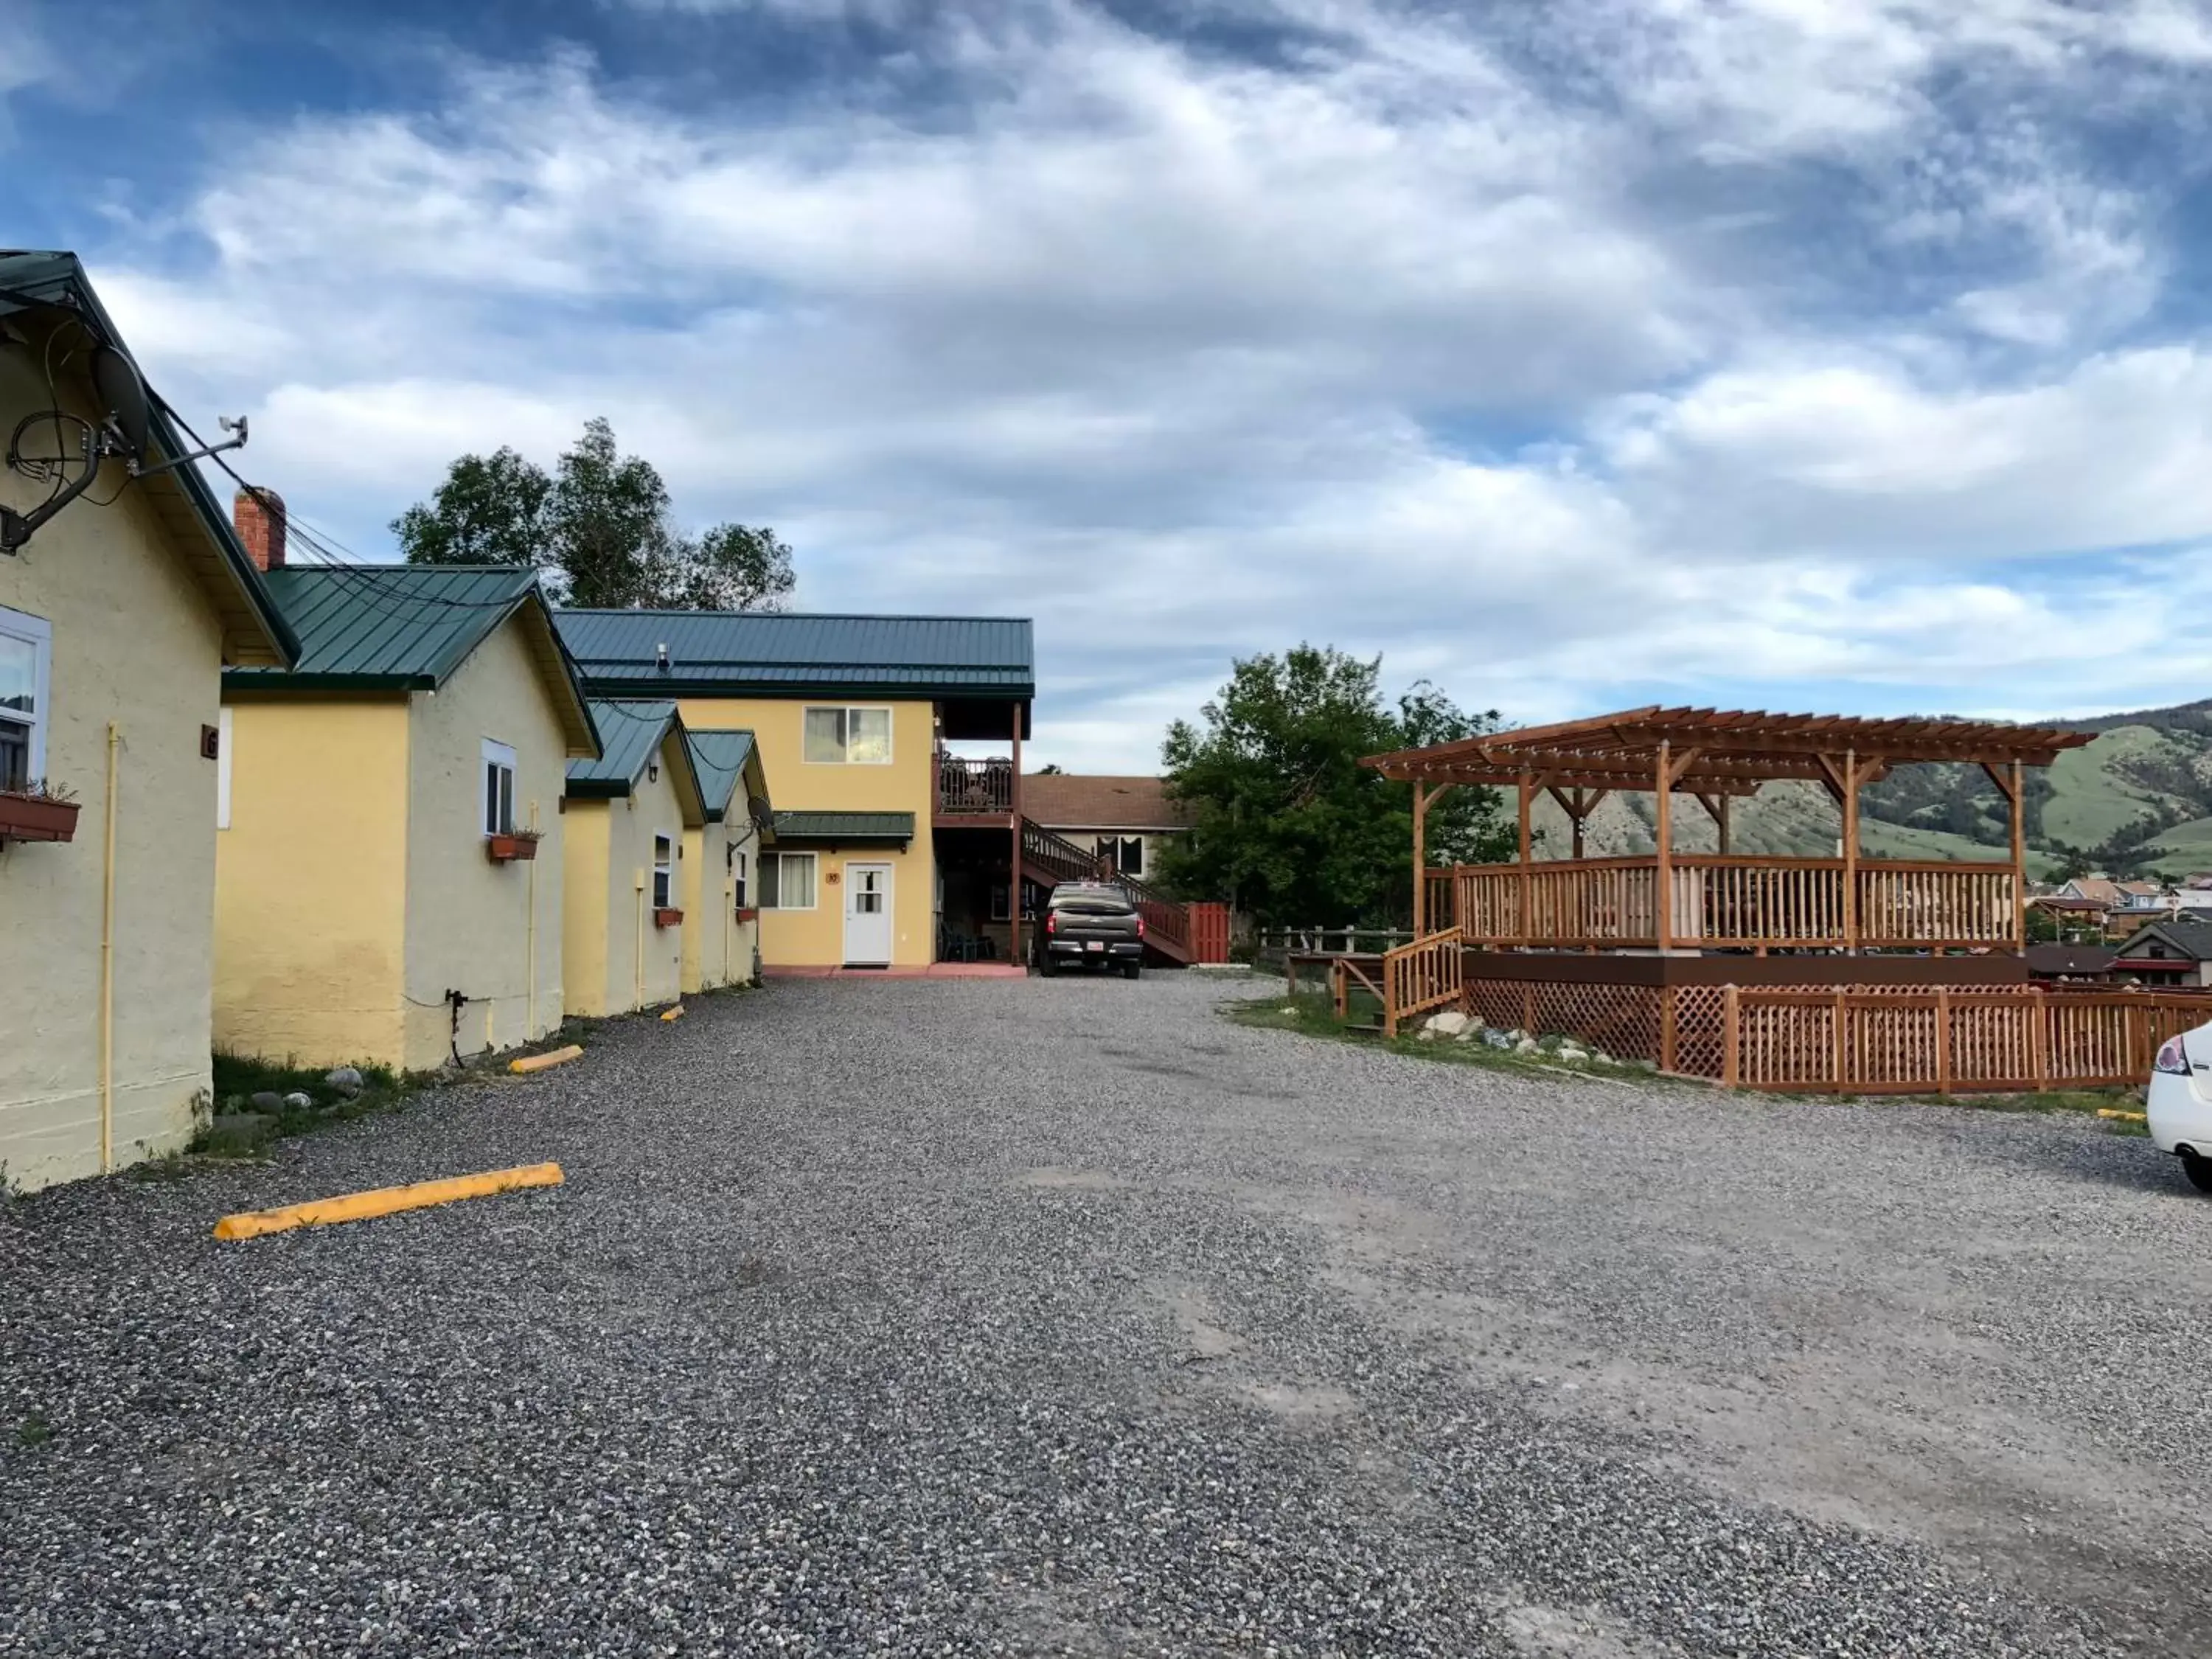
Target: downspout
x,y
637,957
107,968
529,945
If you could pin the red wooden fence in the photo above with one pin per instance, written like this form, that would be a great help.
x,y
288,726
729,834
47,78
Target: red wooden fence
x,y
1209,933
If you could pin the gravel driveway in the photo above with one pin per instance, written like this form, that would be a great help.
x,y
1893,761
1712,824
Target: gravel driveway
x,y
952,1317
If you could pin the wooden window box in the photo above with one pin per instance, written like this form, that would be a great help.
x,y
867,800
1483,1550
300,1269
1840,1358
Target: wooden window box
x,y
505,849
668,917
36,817
749,914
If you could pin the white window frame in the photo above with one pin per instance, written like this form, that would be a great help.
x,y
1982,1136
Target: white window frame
x,y
740,871
845,713
664,871
222,728
496,753
814,881
38,633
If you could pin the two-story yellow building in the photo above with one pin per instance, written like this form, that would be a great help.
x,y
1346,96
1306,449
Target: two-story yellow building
x,y
890,852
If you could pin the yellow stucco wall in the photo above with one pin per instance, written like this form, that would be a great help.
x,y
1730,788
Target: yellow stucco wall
x,y
469,921
136,642
908,784
618,960
311,880
718,948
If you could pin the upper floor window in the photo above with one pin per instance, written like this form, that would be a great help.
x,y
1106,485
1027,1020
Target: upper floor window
x,y
1125,853
26,650
498,789
849,737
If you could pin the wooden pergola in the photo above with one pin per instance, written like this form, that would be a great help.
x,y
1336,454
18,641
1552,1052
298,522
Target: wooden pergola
x,y
1718,756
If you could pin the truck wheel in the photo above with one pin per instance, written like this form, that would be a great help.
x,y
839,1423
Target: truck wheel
x,y
2199,1172
1133,970
1046,969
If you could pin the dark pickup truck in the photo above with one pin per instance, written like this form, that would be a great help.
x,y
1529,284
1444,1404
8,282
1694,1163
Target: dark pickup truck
x,y
1090,925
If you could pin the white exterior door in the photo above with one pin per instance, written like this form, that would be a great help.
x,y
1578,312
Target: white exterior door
x,y
868,916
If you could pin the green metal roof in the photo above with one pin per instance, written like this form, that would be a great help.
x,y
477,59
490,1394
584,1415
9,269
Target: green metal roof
x,y
253,629
844,826
634,732
407,628
720,759
777,653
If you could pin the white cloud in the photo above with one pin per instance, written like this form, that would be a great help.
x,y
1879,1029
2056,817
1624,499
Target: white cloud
x,y
1520,359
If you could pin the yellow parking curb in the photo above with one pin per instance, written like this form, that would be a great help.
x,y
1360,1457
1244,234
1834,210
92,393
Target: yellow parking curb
x,y
676,1012
530,1063
385,1200
2124,1117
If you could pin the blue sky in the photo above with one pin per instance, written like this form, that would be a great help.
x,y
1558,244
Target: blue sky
x,y
1775,353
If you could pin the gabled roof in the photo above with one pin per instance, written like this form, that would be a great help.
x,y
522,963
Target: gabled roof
x,y
1060,800
728,762
252,630
409,627
790,654
2069,959
634,733
2191,936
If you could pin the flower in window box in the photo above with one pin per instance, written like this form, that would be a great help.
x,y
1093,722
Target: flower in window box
x,y
506,846
37,811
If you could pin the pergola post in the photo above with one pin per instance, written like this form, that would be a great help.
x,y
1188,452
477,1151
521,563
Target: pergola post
x,y
1420,859
2019,793
1663,899
1527,787
1014,871
1720,819
1850,853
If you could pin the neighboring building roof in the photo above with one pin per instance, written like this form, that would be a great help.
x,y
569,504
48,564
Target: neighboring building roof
x,y
790,654
2054,959
252,630
1058,800
408,627
723,760
844,826
2189,936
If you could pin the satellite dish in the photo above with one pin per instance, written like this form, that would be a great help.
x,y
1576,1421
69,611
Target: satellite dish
x,y
122,402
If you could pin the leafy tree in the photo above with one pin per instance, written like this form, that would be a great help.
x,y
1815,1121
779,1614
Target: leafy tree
x,y
600,527
1286,821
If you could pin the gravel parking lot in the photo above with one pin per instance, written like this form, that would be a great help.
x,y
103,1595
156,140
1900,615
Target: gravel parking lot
x,y
953,1317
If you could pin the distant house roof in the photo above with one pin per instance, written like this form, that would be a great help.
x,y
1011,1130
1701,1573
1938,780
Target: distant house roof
x,y
726,760
634,733
253,631
803,827
409,627
2054,960
1060,800
2188,936
793,654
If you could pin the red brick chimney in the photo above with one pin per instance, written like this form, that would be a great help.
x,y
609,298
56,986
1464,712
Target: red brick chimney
x,y
259,514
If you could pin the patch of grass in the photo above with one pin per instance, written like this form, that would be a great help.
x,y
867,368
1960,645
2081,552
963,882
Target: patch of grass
x,y
1314,1015
33,1431
239,1077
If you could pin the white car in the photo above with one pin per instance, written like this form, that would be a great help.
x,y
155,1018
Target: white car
x,y
2179,1103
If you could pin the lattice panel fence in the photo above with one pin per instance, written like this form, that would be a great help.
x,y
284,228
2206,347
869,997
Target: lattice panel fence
x,y
1621,1020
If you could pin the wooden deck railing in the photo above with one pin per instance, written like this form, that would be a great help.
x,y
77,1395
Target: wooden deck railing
x,y
1417,977
1733,901
1944,1041
976,788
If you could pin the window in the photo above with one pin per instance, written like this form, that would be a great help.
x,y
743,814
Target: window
x,y
498,789
26,649
1123,852
787,881
848,737
999,900
738,879
664,867
222,770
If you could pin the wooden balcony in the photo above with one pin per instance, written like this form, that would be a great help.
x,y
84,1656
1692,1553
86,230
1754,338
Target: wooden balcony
x,y
1728,902
976,790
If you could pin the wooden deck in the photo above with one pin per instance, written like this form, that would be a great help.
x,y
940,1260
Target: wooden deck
x,y
1729,903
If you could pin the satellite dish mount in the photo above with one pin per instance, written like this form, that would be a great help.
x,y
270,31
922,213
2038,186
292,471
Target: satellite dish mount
x,y
125,425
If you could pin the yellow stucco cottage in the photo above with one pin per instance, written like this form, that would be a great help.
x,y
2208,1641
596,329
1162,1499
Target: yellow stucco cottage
x,y
116,616
721,925
629,817
389,873
888,848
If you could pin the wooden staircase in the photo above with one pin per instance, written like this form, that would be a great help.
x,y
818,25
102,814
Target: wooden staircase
x,y
1405,983
1048,859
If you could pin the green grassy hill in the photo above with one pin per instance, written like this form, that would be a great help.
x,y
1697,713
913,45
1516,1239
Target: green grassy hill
x,y
2136,801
